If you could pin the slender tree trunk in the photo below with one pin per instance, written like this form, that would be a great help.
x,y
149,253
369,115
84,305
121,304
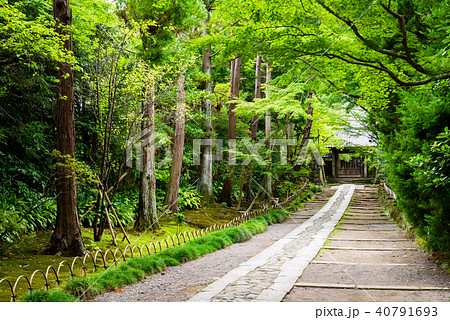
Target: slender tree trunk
x,y
307,130
227,189
66,237
241,185
147,217
105,168
178,144
290,135
309,121
268,124
205,185
254,124
258,95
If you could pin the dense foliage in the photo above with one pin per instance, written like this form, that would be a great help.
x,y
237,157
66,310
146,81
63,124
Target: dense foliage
x,y
385,62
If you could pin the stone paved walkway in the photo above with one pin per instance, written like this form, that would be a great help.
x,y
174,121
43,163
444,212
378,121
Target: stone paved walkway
x,y
369,258
271,274
366,258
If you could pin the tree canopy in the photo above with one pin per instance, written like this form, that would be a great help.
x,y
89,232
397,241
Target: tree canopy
x,y
324,63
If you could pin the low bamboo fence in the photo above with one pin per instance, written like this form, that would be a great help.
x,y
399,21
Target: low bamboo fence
x,y
97,260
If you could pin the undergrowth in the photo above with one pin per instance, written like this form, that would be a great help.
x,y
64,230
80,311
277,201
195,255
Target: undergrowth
x,y
49,296
136,269
306,196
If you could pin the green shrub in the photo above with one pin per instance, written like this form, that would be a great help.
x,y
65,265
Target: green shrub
x,y
119,277
189,198
170,261
210,243
12,225
21,215
238,234
278,215
220,241
48,296
183,254
149,265
81,287
414,159
256,225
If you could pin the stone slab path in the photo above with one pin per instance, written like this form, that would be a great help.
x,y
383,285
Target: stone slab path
x,y
369,258
271,274
180,283
337,248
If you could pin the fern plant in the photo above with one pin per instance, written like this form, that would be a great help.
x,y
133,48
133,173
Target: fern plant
x,y
189,198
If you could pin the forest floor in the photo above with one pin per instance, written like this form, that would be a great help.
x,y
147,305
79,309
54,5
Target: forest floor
x,y
23,258
367,257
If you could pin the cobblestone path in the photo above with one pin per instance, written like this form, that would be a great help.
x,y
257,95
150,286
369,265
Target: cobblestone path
x,y
271,274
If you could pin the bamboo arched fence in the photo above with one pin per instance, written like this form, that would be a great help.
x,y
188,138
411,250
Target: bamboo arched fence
x,y
97,260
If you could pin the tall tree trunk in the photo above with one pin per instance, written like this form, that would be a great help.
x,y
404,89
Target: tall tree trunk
x,y
178,144
147,215
241,186
254,124
205,184
309,121
307,130
268,124
66,238
227,189
258,95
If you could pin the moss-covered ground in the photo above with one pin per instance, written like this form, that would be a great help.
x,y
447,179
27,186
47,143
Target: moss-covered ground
x,y
135,269
23,258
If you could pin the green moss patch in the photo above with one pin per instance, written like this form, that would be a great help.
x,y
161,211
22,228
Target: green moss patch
x,y
206,217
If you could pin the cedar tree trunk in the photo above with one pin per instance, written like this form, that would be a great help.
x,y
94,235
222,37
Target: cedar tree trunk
x,y
254,124
268,183
147,214
307,130
227,188
308,125
178,143
66,238
205,184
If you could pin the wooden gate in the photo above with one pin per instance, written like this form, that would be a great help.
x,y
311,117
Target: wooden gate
x,y
351,169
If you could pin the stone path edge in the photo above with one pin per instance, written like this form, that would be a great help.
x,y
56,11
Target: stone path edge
x,y
293,268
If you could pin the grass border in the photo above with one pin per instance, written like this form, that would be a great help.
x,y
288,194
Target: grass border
x,y
136,269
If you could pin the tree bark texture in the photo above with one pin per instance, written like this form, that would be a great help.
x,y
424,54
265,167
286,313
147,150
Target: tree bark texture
x,y
147,217
268,183
309,121
66,238
307,130
254,124
258,95
227,189
205,184
178,144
